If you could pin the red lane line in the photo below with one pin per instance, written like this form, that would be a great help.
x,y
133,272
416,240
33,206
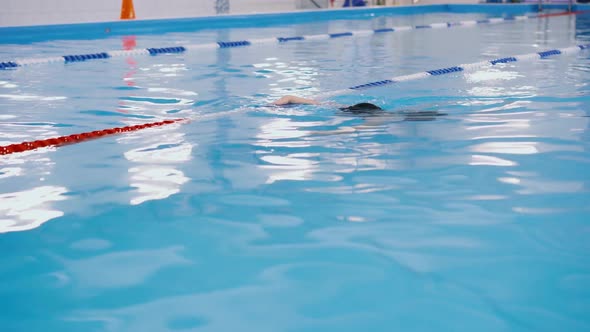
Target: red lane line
x,y
563,14
78,138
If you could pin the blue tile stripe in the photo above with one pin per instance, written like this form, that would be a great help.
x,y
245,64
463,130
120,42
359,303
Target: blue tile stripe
x,y
462,68
240,43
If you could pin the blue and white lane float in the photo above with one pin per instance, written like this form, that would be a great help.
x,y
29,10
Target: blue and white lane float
x,y
462,68
261,41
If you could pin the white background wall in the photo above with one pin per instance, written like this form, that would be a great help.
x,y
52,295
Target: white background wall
x,y
36,12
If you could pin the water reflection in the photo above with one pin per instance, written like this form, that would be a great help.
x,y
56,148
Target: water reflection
x,y
154,177
28,209
292,167
537,185
492,74
288,77
153,170
481,160
129,43
521,147
155,105
33,203
24,97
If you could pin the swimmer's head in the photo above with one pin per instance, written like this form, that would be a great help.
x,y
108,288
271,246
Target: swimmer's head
x,y
362,108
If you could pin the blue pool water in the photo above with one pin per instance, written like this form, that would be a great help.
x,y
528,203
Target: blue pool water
x,y
263,220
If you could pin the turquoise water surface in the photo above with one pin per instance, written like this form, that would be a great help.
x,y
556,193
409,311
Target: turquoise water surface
x,y
257,218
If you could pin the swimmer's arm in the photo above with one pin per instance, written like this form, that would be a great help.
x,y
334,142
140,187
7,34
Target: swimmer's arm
x,y
286,100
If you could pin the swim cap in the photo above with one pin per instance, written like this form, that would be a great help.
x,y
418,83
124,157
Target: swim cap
x,y
362,108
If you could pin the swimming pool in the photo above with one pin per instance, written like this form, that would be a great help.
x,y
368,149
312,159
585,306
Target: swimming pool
x,y
254,218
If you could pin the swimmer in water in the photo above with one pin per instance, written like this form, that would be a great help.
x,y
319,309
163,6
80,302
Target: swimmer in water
x,y
374,115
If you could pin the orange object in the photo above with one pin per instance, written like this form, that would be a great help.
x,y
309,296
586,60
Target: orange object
x,y
127,10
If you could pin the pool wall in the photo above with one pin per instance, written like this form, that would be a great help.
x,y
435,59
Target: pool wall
x,y
30,34
36,12
42,12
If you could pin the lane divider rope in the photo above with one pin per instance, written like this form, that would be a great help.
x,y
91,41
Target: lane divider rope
x,y
78,138
459,68
273,40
